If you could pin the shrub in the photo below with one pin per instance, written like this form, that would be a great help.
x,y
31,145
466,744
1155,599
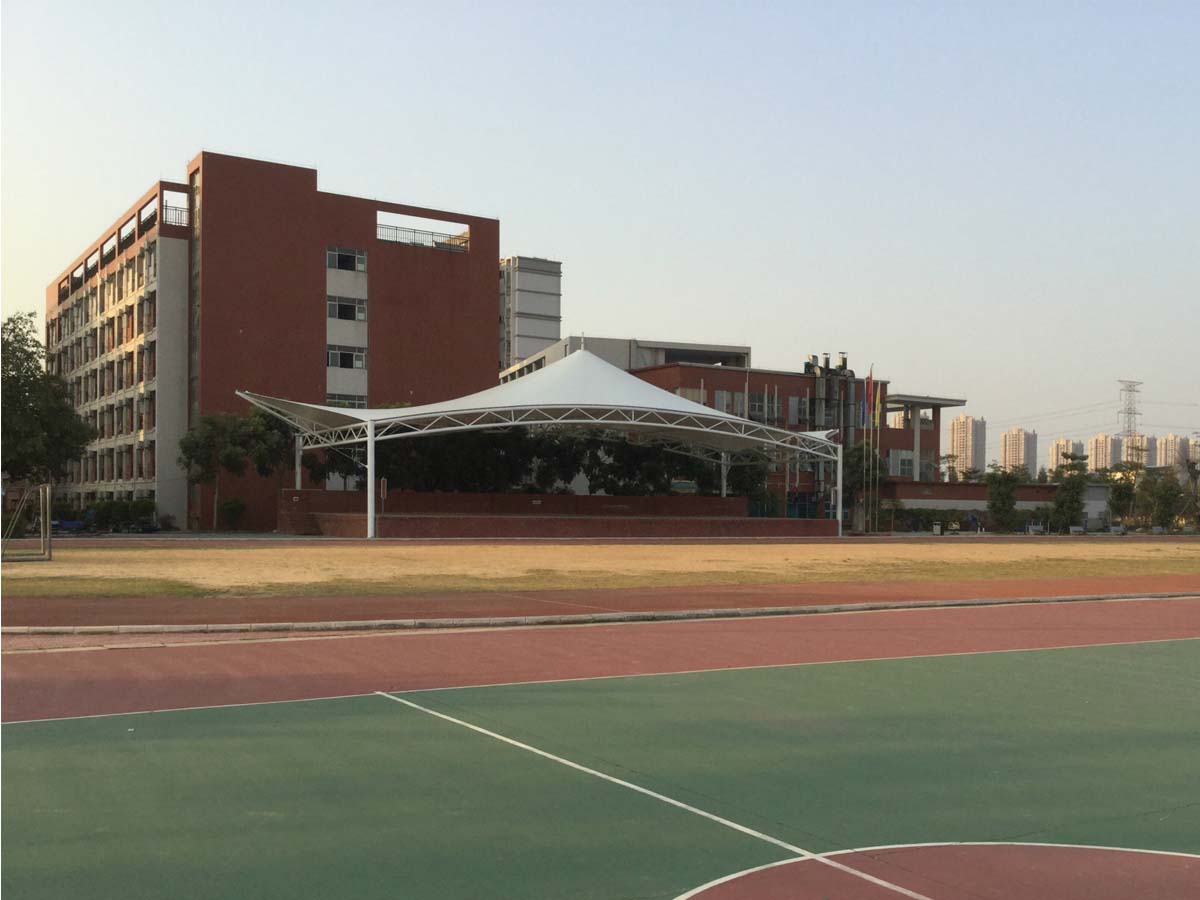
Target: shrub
x,y
231,511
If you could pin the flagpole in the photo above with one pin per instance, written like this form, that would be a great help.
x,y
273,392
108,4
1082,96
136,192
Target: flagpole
x,y
875,460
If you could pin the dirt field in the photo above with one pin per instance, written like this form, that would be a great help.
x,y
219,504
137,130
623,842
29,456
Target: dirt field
x,y
340,569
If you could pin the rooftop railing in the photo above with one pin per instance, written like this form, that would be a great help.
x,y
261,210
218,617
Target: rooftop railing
x,y
456,243
175,215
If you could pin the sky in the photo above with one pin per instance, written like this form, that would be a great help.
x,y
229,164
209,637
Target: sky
x,y
992,201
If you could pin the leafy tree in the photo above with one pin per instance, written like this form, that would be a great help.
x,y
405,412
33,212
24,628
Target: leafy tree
x,y
214,443
972,475
1067,508
1002,495
1190,470
42,434
1122,496
269,441
1161,496
225,442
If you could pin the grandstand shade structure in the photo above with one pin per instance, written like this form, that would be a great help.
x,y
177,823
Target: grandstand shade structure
x,y
580,391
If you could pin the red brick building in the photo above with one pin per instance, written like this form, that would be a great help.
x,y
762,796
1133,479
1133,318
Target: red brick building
x,y
823,397
246,276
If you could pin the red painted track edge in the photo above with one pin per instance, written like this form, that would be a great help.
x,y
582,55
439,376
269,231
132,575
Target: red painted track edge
x,y
58,685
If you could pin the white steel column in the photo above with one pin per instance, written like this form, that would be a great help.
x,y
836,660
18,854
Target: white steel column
x,y
298,461
839,489
724,471
916,419
370,478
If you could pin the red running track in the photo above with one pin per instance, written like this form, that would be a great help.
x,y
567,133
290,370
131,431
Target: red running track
x,y
479,604
40,685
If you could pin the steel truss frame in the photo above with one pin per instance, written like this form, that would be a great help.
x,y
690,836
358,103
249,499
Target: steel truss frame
x,y
743,431
715,439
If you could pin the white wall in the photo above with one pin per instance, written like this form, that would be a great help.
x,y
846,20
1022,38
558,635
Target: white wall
x,y
171,381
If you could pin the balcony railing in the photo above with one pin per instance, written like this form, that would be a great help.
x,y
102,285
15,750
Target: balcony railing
x,y
175,215
456,243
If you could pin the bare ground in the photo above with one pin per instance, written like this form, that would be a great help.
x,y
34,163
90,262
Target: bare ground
x,y
353,569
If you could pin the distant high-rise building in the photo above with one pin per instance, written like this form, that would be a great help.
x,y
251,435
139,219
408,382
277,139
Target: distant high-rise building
x,y
1060,449
1019,449
530,307
1174,450
1104,451
1141,449
968,440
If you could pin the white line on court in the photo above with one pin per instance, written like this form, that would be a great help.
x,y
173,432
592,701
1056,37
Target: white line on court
x,y
671,801
452,630
147,712
734,876
796,665
465,687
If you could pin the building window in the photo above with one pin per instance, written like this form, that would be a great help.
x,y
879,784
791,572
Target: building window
x,y
346,260
346,357
900,463
730,402
346,401
346,308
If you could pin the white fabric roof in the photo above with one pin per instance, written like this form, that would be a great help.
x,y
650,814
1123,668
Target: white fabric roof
x,y
580,389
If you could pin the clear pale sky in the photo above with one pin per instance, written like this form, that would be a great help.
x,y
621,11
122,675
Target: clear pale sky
x,y
993,201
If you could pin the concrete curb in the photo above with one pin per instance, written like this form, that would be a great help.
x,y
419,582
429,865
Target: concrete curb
x,y
583,619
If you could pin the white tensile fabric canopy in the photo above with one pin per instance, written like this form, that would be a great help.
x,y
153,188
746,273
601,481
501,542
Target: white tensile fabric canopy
x,y
579,391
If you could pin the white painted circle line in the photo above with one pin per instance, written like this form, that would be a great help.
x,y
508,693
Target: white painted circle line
x,y
824,857
880,847
671,801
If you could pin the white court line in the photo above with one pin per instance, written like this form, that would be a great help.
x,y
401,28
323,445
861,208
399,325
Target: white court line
x,y
466,687
734,876
794,665
147,712
671,801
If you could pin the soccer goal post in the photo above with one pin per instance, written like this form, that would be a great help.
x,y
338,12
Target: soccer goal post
x,y
27,529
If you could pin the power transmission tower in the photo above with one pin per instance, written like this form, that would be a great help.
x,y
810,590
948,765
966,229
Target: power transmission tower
x,y
1128,417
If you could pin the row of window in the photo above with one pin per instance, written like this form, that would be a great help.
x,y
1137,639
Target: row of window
x,y
350,309
346,260
768,407
126,463
346,401
127,417
339,357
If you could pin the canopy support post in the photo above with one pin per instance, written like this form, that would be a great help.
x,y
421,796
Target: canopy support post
x,y
839,489
371,479
297,462
724,472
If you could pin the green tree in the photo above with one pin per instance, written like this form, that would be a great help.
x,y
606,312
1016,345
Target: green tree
x,y
1191,501
1122,497
1002,495
1067,509
42,433
214,443
1161,497
226,442
269,441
